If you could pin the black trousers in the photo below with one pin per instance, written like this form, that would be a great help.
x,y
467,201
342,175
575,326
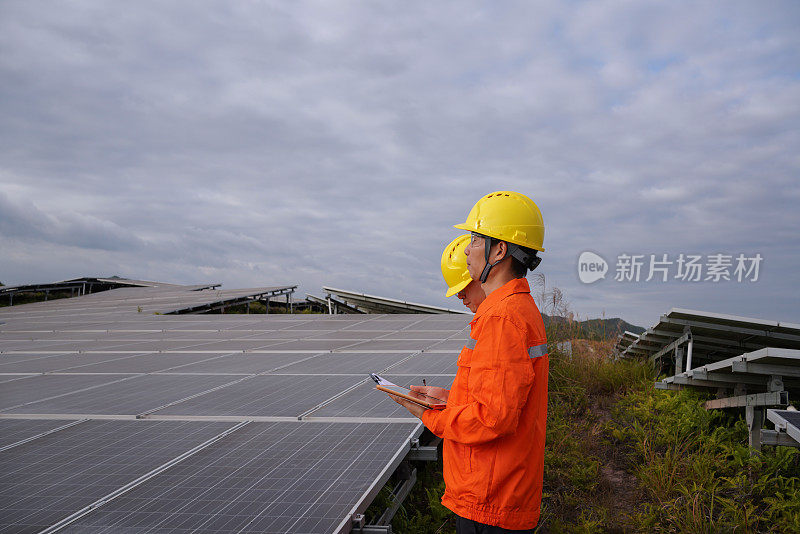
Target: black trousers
x,y
467,526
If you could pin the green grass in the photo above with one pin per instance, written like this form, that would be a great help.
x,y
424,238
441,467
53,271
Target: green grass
x,y
624,457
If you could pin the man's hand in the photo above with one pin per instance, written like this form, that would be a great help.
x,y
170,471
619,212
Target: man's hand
x,y
415,409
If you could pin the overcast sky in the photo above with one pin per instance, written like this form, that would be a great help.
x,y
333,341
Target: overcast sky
x,y
336,143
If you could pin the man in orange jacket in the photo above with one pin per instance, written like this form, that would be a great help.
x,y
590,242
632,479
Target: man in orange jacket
x,y
456,274
494,423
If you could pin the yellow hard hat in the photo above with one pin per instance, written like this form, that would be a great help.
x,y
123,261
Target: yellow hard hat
x,y
454,265
507,216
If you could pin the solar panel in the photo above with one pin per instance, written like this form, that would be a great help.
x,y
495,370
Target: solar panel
x,y
145,363
375,304
714,336
64,362
236,368
248,363
12,377
266,396
367,402
429,363
15,430
355,363
266,477
392,344
133,396
39,387
448,345
313,344
46,479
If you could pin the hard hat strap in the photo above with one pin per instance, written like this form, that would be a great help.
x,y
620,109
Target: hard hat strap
x,y
527,257
487,245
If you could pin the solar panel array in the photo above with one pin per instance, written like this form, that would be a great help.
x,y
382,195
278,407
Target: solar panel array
x,y
749,363
714,336
151,300
354,302
116,420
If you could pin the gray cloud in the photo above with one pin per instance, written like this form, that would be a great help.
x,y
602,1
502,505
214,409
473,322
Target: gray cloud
x,y
263,143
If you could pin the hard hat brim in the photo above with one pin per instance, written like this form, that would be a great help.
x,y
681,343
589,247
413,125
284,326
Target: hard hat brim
x,y
468,228
456,288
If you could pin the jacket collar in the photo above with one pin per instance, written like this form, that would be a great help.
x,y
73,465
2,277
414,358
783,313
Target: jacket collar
x,y
517,285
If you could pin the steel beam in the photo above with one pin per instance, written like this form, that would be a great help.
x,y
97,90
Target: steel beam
x,y
730,329
773,437
764,369
775,398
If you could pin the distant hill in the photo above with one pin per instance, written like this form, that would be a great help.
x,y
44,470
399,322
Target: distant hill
x,y
593,328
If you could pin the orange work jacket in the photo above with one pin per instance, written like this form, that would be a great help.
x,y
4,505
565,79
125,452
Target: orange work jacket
x,y
494,423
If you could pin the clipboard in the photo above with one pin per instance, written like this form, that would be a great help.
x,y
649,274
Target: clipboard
x,y
426,401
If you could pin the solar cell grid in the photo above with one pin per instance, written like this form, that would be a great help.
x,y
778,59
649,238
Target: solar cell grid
x,y
431,335
289,325
36,388
136,395
14,430
792,417
313,344
146,363
430,363
266,395
263,478
273,335
10,359
237,344
12,377
65,362
307,361
46,479
356,363
356,335
447,345
366,401
33,345
392,344
247,363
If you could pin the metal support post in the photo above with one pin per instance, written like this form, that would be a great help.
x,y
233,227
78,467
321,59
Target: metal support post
x,y
755,419
248,308
678,360
689,354
46,294
398,496
330,307
267,303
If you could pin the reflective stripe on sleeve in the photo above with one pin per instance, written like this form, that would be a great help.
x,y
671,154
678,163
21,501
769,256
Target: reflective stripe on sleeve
x,y
537,350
